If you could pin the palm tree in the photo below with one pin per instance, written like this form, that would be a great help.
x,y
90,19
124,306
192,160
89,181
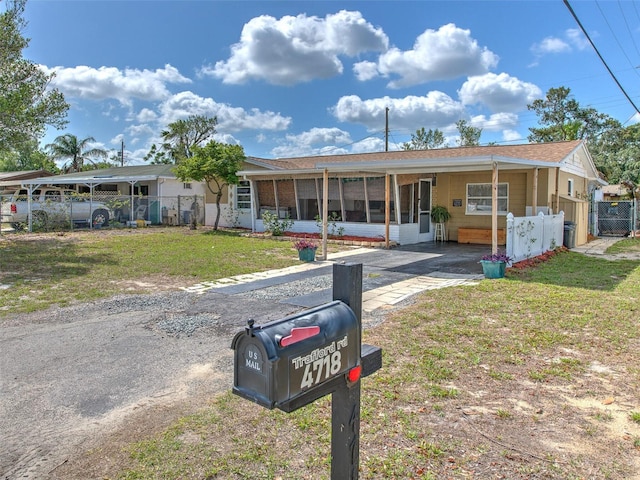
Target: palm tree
x,y
68,146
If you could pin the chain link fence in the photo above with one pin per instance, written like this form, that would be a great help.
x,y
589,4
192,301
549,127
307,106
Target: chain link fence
x,y
616,218
60,212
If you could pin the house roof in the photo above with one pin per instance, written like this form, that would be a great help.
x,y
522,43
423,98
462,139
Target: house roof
x,y
134,173
555,154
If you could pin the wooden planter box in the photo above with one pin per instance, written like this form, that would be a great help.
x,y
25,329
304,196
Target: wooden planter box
x,y
481,236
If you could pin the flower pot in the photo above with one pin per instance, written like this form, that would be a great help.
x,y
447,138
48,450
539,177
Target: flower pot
x,y
493,269
307,254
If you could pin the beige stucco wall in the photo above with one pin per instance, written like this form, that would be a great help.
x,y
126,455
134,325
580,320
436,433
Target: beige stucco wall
x,y
453,186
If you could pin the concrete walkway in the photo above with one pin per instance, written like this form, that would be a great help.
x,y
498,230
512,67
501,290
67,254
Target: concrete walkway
x,y
596,247
390,276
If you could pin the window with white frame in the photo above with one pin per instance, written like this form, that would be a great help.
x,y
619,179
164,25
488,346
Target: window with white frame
x,y
570,190
186,186
243,195
479,198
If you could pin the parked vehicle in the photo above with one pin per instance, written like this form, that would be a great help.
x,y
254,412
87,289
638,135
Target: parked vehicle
x,y
53,205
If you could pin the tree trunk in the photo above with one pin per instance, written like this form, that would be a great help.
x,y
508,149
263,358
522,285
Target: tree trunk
x,y
218,198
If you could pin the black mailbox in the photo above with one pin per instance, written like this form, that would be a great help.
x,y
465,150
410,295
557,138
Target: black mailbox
x,y
291,362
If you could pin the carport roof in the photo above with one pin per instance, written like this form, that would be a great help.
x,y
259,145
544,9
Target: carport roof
x,y
14,178
133,173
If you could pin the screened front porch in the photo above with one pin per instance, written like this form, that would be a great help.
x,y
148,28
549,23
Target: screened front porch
x,y
356,204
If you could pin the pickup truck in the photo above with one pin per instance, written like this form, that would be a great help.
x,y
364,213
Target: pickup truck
x,y
51,205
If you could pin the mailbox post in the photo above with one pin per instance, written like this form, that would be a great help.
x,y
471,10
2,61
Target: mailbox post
x,y
291,362
345,400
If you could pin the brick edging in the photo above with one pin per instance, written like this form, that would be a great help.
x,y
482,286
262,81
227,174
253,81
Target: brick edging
x,y
334,241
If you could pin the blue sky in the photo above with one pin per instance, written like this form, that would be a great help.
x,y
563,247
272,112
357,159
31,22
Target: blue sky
x,y
291,78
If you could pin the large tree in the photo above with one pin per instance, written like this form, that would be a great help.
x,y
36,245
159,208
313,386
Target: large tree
x,y
562,118
216,164
616,153
469,135
180,137
27,106
26,157
77,152
425,140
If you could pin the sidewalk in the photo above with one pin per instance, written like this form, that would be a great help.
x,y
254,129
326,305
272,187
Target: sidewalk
x,y
596,247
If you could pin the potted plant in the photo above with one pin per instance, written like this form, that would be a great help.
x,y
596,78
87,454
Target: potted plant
x,y
440,214
306,250
495,264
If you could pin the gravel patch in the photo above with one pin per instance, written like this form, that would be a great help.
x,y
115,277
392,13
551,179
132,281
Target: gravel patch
x,y
162,301
292,289
180,323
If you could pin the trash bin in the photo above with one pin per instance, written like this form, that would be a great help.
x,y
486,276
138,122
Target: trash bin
x,y
569,239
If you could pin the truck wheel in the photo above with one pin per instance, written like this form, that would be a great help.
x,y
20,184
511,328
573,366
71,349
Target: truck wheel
x,y
100,217
39,220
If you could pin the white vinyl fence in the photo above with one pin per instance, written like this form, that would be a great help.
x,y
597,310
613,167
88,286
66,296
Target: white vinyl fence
x,y
531,236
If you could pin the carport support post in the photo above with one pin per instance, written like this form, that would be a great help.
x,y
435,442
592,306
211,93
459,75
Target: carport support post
x,y
345,400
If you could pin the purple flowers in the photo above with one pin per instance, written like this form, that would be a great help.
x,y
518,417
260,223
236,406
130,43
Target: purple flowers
x,y
497,257
304,243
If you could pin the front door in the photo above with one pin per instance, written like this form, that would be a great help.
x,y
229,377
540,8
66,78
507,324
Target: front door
x,y
425,229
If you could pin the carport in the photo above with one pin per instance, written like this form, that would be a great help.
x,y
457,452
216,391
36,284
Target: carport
x,y
89,181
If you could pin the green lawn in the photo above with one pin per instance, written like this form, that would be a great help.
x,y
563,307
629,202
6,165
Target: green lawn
x,y
41,270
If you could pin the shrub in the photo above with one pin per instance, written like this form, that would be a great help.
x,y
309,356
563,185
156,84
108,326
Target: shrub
x,y
274,225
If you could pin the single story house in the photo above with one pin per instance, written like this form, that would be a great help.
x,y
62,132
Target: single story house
x,y
391,194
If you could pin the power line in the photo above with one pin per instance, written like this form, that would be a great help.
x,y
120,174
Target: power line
x,y
566,2
624,17
613,33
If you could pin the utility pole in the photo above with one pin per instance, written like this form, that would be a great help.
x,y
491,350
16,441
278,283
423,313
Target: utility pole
x,y
122,153
386,130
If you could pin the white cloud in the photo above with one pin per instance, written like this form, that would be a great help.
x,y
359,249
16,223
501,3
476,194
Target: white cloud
x,y
442,54
146,115
226,138
371,144
230,119
117,140
434,110
317,141
137,131
551,45
495,122
577,39
110,82
573,39
511,136
365,70
297,49
321,135
499,92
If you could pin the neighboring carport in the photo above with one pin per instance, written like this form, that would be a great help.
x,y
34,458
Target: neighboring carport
x,y
89,180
